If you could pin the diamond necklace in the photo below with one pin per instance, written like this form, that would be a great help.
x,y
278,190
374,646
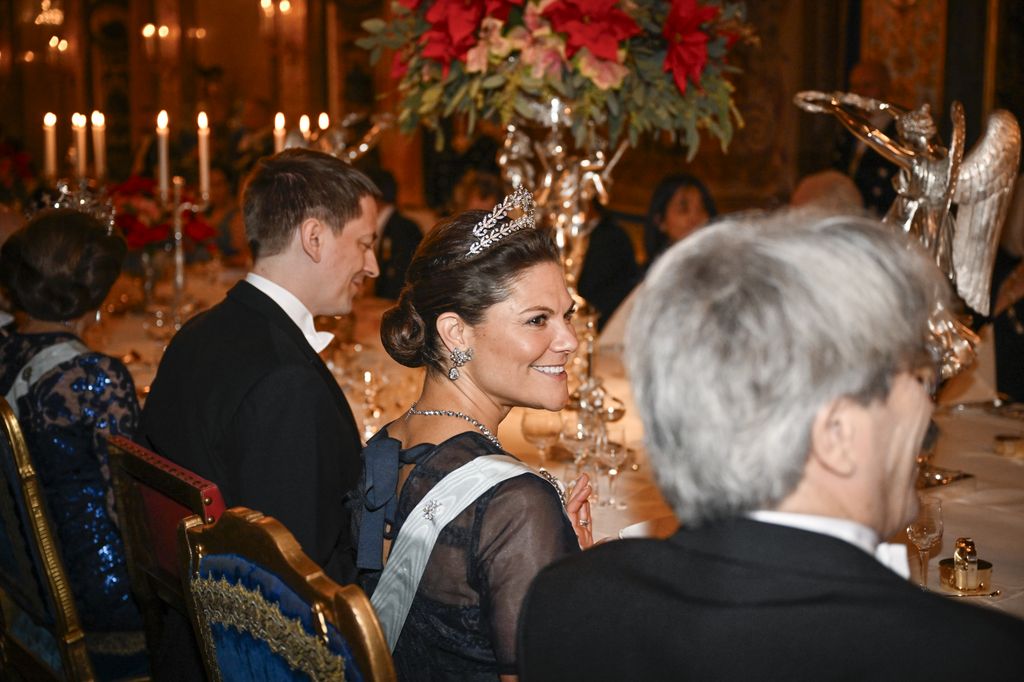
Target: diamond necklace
x,y
452,413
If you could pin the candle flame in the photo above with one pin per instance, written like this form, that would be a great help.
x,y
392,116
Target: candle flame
x,y
78,120
203,121
324,121
148,31
163,31
98,119
50,119
279,121
161,120
304,124
54,40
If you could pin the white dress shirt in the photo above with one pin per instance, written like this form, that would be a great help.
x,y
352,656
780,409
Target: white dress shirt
x,y
891,555
294,309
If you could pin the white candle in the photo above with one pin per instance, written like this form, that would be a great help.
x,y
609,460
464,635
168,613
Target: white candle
x,y
204,155
50,140
279,133
304,126
163,170
78,125
324,121
99,144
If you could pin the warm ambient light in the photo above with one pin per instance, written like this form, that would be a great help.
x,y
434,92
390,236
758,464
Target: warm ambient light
x,y
285,6
50,119
304,124
62,45
54,41
324,121
202,120
78,120
98,119
148,31
279,121
163,31
161,119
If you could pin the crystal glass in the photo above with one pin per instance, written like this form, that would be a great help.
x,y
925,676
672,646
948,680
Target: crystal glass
x,y
612,453
541,429
924,531
581,431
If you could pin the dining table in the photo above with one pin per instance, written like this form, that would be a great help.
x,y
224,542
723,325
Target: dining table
x,y
986,505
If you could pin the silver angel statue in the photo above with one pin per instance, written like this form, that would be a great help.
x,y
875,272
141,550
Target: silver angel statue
x,y
933,178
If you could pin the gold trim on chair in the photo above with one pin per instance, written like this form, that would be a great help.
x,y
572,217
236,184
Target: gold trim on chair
x,y
232,605
68,631
264,541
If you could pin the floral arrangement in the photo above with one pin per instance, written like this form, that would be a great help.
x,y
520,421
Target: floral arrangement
x,y
147,226
17,178
628,66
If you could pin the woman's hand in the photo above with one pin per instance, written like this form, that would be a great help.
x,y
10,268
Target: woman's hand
x,y
578,509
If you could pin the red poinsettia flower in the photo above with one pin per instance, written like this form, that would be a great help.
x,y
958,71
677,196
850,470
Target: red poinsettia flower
x,y
598,25
138,234
500,9
453,29
687,43
197,229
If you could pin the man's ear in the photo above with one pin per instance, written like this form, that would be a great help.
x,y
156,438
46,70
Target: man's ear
x,y
311,235
833,436
454,332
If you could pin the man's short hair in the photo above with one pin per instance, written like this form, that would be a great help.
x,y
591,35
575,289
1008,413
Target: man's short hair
x,y
288,188
744,330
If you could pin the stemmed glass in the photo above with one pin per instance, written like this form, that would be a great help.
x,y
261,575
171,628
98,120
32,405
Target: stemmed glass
x,y
924,531
541,429
612,452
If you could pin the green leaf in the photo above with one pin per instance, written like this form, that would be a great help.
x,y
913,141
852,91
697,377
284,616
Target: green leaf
x,y
493,81
375,25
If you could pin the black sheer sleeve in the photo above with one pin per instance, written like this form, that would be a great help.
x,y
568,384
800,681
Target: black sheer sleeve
x,y
522,529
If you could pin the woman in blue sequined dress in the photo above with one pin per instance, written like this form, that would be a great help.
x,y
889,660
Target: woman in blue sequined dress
x,y
55,270
489,317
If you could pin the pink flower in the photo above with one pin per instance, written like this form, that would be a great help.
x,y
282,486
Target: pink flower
x,y
605,74
687,43
491,43
597,25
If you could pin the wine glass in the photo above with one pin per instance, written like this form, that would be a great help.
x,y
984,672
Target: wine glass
x,y
541,429
924,531
612,452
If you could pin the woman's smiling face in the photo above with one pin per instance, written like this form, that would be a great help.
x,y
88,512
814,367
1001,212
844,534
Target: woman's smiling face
x,y
521,346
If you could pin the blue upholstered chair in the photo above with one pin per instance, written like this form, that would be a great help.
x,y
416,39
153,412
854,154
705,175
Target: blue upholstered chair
x,y
41,636
262,610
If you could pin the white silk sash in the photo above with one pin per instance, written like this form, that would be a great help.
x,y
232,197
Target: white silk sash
x,y
411,550
39,364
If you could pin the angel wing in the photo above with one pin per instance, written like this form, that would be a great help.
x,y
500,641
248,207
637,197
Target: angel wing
x,y
983,191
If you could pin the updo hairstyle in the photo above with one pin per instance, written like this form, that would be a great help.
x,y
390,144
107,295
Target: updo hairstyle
x,y
60,265
442,278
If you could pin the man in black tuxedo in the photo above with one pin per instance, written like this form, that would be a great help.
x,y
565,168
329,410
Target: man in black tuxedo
x,y
781,368
397,238
241,396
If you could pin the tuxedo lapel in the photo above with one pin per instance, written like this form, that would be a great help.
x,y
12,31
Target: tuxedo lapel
x,y
247,295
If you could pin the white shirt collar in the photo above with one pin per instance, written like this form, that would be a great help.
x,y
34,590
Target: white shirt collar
x,y
294,309
892,556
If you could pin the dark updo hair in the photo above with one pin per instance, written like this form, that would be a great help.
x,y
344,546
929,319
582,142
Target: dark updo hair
x,y
441,279
60,265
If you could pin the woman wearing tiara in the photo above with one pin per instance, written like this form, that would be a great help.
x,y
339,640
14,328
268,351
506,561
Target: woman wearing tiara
x,y
68,399
486,311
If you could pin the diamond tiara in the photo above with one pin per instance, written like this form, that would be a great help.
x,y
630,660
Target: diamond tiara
x,y
488,232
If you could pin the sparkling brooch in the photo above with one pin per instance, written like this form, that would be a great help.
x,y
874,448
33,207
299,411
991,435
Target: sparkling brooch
x,y
430,508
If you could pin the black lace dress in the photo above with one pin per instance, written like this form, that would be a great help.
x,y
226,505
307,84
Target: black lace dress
x,y
64,417
462,623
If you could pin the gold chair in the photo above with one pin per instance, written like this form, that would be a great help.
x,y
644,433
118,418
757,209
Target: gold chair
x,y
263,610
153,496
41,635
